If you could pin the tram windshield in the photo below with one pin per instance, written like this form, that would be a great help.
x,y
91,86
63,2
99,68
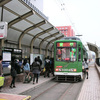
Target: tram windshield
x,y
66,53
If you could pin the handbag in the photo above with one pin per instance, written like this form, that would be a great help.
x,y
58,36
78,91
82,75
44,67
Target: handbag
x,y
1,81
28,78
44,69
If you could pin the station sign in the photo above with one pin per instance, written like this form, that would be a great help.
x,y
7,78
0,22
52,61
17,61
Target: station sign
x,y
3,30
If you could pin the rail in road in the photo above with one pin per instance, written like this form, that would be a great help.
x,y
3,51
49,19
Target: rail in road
x,y
56,91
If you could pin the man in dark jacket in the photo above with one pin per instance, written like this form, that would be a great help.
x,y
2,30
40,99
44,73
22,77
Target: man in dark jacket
x,y
47,67
40,61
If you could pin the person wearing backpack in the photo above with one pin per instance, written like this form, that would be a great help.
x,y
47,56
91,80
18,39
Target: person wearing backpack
x,y
47,67
35,70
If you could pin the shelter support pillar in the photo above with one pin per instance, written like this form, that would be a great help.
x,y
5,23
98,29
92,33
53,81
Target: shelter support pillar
x,y
31,50
52,55
40,51
46,52
1,45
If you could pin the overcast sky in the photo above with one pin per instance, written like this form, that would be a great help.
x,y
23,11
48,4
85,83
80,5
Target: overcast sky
x,y
83,15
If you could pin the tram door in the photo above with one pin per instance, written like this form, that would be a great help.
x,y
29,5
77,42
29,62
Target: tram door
x,y
79,54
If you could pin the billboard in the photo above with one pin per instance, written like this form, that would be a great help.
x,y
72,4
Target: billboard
x,y
3,29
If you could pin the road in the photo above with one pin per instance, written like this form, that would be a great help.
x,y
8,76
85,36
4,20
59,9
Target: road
x,y
53,90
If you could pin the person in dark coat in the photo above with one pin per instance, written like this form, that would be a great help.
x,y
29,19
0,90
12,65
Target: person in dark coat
x,y
40,61
47,67
52,65
17,68
36,70
13,72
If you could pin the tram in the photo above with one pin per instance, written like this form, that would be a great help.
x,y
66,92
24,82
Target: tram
x,y
69,53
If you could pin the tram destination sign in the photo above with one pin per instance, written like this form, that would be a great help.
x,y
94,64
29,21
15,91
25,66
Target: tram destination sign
x,y
66,44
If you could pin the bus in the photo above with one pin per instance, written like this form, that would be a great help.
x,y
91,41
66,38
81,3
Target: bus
x,y
69,53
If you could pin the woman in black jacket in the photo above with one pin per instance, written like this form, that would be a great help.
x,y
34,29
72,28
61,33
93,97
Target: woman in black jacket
x,y
36,70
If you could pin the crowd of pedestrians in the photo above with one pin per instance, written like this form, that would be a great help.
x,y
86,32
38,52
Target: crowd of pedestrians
x,y
36,69
30,72
33,71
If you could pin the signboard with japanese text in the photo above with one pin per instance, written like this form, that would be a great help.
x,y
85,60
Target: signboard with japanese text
x,y
3,30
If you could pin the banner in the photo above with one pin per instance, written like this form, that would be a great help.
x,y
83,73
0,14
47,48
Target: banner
x,y
3,29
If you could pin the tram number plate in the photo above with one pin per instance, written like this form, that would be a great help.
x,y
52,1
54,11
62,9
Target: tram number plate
x,y
65,73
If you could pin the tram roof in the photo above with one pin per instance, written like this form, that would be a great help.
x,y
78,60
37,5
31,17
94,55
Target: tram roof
x,y
71,38
27,24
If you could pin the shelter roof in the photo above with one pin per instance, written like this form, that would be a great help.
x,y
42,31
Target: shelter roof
x,y
26,24
94,48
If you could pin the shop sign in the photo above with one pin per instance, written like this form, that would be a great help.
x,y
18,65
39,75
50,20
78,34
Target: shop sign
x,y
3,30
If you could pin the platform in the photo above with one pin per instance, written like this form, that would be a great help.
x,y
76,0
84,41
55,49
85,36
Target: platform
x,y
20,87
89,91
91,86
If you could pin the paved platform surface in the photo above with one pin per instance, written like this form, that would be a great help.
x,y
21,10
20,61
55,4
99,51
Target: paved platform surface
x,y
89,91
22,87
91,86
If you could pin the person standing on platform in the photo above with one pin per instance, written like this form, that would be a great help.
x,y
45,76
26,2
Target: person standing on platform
x,y
26,68
36,70
17,68
52,65
47,67
40,61
86,66
1,68
13,72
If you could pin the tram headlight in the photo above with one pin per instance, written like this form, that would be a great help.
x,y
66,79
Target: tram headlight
x,y
74,70
58,69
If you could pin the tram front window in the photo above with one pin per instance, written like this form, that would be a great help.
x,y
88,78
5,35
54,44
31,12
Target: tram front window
x,y
66,54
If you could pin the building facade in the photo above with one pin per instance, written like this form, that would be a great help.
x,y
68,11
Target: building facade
x,y
66,30
38,4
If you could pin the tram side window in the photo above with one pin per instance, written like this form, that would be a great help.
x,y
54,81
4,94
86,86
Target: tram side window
x,y
79,55
59,54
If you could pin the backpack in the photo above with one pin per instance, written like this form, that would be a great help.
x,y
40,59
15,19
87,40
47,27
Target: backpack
x,y
35,65
47,62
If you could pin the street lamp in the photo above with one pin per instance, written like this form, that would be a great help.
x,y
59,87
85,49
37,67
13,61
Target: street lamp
x,y
79,35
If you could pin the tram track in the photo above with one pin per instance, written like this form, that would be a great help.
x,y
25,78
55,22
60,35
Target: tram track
x,y
44,91
63,95
63,92
53,90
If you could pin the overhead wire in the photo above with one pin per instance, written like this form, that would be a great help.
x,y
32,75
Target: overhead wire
x,y
63,8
